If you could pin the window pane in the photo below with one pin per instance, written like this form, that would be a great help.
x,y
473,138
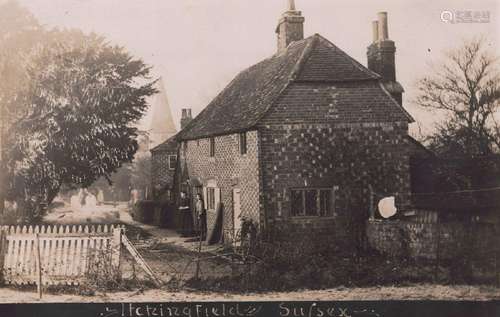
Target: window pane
x,y
297,203
311,202
325,203
212,147
211,198
243,143
172,160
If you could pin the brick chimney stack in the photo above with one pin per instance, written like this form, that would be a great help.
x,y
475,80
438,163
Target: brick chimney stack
x,y
381,57
186,117
290,27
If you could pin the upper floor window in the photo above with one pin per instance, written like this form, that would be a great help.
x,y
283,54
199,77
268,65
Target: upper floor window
x,y
172,161
312,202
212,147
243,143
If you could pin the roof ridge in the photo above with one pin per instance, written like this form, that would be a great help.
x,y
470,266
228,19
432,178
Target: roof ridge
x,y
295,71
170,139
357,64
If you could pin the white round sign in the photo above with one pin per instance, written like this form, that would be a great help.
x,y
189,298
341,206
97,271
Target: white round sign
x,y
387,207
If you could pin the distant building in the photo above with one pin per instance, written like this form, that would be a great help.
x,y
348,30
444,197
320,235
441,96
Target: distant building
x,y
260,150
164,160
162,124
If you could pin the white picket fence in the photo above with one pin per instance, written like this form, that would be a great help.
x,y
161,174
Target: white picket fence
x,y
55,255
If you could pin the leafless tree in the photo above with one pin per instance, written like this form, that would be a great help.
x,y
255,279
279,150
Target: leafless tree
x,y
466,87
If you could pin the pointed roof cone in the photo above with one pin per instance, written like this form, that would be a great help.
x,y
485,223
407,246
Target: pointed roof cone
x,y
162,124
291,5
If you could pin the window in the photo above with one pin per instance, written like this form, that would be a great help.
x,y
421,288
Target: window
x,y
212,147
243,143
211,198
172,162
312,202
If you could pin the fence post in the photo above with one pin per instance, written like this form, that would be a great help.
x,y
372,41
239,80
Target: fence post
x,y
38,266
116,247
3,251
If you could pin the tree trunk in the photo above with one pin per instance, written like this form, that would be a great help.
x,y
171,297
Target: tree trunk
x,y
52,193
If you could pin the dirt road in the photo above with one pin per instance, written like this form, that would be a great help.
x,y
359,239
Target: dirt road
x,y
416,292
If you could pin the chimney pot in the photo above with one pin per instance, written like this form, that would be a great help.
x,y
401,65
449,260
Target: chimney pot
x,y
375,31
290,27
186,117
383,32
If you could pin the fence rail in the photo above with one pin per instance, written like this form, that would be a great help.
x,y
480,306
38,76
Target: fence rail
x,y
64,252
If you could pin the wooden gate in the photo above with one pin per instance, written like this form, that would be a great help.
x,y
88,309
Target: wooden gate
x,y
51,255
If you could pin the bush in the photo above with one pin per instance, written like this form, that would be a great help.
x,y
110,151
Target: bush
x,y
143,211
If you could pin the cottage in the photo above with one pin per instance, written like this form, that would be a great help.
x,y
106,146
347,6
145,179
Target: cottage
x,y
286,140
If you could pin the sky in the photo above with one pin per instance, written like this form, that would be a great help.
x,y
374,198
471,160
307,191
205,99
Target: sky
x,y
198,46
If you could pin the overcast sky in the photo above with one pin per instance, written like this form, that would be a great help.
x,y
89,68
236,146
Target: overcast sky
x,y
198,46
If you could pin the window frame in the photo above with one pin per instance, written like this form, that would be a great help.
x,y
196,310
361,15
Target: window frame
x,y
243,143
211,147
210,198
170,167
319,212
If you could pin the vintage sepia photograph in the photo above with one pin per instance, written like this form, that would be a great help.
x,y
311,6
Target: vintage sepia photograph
x,y
156,151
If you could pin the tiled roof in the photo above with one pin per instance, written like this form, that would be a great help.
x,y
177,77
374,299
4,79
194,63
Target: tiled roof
x,y
335,103
249,96
167,146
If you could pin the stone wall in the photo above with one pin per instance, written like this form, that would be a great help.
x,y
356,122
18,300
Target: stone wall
x,y
430,240
227,170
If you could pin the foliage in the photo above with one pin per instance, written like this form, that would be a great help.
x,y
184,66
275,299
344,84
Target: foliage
x,y
78,105
19,33
465,87
296,262
141,174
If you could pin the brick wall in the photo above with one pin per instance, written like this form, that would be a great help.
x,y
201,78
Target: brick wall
x,y
304,156
161,174
303,144
228,169
427,240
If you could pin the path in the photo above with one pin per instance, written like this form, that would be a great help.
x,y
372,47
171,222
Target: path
x,y
167,253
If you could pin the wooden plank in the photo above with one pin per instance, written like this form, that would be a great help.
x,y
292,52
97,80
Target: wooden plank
x,y
20,263
46,255
72,255
3,252
65,252
78,257
12,255
8,254
38,267
29,261
53,254
62,235
138,258
60,249
116,243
